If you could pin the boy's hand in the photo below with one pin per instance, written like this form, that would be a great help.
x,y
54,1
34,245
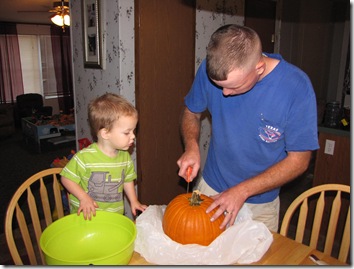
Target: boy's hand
x,y
87,207
137,206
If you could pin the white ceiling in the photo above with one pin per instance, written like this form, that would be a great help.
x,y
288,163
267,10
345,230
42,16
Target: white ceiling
x,y
26,11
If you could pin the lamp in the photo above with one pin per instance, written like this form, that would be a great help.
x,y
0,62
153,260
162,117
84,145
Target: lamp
x,y
62,14
61,20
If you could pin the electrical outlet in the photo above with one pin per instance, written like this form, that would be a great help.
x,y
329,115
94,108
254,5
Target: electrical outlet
x,y
329,147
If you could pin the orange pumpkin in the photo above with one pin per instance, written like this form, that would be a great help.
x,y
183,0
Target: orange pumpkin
x,y
186,221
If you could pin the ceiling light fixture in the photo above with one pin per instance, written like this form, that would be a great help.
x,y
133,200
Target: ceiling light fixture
x,y
62,14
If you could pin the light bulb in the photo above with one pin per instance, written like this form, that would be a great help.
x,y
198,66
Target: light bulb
x,y
67,20
58,20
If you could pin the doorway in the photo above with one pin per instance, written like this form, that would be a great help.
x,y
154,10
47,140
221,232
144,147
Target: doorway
x,y
164,58
260,15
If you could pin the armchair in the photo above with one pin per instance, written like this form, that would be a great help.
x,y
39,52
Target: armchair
x,y
29,104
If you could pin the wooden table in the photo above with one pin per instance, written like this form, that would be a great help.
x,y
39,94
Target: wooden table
x,y
283,251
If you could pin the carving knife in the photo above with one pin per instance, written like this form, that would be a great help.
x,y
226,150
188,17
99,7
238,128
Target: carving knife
x,y
317,260
189,172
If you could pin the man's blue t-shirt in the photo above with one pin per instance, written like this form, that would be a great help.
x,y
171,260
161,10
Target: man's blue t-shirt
x,y
255,130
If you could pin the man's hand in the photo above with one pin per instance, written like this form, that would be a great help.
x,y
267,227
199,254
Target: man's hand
x,y
229,203
189,160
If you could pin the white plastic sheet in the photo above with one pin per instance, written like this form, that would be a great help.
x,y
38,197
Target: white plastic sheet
x,y
244,242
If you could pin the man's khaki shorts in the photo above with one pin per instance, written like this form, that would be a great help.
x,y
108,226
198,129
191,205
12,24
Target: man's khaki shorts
x,y
268,213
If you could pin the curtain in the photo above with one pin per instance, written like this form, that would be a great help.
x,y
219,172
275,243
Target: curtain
x,y
11,83
63,68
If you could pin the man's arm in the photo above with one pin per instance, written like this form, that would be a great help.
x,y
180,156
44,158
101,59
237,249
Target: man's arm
x,y
190,131
277,175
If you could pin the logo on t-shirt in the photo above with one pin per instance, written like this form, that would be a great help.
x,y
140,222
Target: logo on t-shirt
x,y
269,134
104,190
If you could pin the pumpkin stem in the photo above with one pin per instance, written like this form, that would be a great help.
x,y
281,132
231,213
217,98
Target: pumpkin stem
x,y
195,200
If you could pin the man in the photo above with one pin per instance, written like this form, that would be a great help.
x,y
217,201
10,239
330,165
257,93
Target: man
x,y
264,125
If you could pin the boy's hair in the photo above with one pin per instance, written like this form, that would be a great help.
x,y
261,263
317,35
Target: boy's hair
x,y
105,110
232,46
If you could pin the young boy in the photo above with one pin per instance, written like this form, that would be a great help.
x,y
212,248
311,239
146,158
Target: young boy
x,y
97,175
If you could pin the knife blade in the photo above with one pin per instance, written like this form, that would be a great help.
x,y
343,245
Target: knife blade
x,y
189,172
316,260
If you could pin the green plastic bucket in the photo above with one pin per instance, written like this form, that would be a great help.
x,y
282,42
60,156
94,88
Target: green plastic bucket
x,y
106,239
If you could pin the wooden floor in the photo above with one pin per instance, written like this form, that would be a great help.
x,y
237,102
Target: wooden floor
x,y
5,257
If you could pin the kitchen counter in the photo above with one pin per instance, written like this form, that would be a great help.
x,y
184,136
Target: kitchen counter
x,y
334,131
332,163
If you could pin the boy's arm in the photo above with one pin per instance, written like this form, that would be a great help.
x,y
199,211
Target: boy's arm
x,y
129,190
87,204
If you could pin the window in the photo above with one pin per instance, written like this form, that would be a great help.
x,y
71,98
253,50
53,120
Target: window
x,y
48,73
37,65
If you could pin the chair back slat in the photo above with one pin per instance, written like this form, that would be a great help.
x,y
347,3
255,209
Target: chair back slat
x,y
322,194
344,247
25,235
45,202
12,246
302,221
57,197
317,221
34,215
333,221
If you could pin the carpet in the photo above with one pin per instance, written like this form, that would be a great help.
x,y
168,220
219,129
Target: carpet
x,y
19,161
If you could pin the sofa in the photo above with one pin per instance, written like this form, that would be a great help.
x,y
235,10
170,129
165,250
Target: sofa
x,y
7,120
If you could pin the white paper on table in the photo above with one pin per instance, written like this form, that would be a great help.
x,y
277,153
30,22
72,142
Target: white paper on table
x,y
244,242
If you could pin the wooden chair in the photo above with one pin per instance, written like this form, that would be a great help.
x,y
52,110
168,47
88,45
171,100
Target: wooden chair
x,y
328,206
35,205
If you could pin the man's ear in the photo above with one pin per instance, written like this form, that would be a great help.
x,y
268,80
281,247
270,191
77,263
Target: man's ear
x,y
260,67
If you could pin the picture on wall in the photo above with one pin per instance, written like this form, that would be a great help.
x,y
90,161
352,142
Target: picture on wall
x,y
92,34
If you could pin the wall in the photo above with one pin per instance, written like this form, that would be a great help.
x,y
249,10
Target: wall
x,y
118,28
210,16
118,51
118,57
54,103
314,36
118,40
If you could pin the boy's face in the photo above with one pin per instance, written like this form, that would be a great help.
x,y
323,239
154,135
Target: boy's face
x,y
122,134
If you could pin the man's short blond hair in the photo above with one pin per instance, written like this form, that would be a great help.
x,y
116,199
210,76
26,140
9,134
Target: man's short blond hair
x,y
232,47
